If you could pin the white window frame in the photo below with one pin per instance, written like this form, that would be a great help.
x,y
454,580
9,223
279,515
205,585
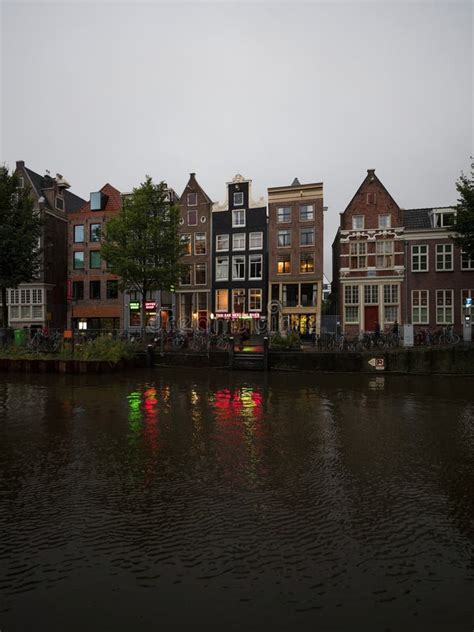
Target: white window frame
x,y
257,292
240,263
205,244
240,196
446,250
420,295
222,262
354,222
254,259
444,307
351,300
240,237
420,256
470,261
237,213
389,220
371,294
260,238
220,238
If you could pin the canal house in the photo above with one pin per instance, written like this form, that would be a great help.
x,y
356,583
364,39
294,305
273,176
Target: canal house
x,y
239,260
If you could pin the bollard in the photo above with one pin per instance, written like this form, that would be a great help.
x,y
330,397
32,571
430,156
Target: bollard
x,y
150,359
231,353
265,353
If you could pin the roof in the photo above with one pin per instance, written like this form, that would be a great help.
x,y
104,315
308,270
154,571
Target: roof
x,y
371,177
73,201
113,204
194,183
417,218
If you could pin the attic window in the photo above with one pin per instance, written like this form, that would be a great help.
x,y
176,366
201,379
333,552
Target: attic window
x,y
60,203
371,198
443,219
238,199
192,199
96,201
21,182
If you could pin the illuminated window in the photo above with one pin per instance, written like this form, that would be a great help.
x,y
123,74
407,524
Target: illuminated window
x,y
222,300
185,239
306,262
200,243
255,300
284,263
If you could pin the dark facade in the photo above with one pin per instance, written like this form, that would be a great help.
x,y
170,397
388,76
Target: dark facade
x,y
42,301
239,260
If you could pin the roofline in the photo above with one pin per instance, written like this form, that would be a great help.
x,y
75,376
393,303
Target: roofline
x,y
371,173
296,187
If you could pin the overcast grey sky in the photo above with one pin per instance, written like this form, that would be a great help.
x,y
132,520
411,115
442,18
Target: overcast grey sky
x,y
108,92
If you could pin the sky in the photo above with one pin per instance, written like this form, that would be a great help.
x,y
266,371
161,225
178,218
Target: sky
x,y
112,91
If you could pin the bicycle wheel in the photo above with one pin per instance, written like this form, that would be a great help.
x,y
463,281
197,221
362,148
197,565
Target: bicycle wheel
x,y
454,339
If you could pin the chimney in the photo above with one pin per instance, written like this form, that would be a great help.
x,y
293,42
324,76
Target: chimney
x,y
371,172
193,175
20,164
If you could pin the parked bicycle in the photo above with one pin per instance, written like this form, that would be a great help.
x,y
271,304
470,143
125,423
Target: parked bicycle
x,y
44,342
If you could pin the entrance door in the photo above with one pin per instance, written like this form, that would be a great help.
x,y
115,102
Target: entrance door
x,y
371,316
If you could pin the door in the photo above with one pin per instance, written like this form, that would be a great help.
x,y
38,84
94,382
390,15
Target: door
x,y
371,316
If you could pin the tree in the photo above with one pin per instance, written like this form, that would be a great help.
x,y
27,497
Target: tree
x,y
141,243
464,224
20,232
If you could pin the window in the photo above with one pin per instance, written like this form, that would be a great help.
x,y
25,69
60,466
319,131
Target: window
x,y
94,289
25,297
238,241
284,238
307,237
384,254
390,301
443,220
222,242
289,295
192,199
60,203
14,297
238,268
384,221
37,296
200,243
306,212
96,201
419,307
192,218
222,300
358,222
371,294
222,268
78,261
238,199
283,214
444,257
255,266
238,218
94,259
351,301
466,262
185,278
419,258
95,230
77,290
79,234
358,255
306,262
255,300
308,294
238,301
371,198
112,289
185,239
256,241
21,182
201,274
444,307
283,263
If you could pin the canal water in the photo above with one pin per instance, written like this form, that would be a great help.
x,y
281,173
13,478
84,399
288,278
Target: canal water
x,y
176,500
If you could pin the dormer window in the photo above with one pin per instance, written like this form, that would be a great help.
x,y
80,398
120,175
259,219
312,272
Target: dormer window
x,y
238,199
358,222
192,199
384,221
442,218
97,201
60,203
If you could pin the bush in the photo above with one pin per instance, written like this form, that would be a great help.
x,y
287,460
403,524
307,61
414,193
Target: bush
x,y
288,342
102,348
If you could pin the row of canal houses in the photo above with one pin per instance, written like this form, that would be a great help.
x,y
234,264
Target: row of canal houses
x,y
251,263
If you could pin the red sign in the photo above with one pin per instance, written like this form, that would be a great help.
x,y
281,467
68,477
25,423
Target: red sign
x,y
150,305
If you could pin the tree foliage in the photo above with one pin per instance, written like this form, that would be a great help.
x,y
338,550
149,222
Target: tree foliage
x,y
20,232
464,225
141,243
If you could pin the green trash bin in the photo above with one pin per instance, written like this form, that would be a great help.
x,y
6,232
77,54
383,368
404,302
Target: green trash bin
x,y
20,337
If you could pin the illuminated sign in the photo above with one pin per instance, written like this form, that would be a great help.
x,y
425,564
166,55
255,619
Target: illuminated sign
x,y
135,305
150,305
469,301
237,315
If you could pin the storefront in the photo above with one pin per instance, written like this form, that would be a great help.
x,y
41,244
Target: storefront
x,y
236,322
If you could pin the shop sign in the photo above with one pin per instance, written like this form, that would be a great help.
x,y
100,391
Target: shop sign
x,y
150,305
135,305
237,315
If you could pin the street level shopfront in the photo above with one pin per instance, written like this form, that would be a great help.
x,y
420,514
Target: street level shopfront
x,y
235,322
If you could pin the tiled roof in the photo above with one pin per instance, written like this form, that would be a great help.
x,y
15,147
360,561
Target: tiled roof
x,y
417,218
73,202
113,204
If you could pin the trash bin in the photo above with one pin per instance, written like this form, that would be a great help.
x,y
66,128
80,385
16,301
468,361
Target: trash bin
x,y
20,337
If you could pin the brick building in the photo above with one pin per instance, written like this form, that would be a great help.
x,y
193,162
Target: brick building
x,y
239,255
95,302
193,300
42,301
369,259
295,256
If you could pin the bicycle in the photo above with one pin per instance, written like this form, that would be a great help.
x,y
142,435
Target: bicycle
x,y
448,336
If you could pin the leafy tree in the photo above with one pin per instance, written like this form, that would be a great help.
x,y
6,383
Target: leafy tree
x,y
464,224
141,243
20,232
